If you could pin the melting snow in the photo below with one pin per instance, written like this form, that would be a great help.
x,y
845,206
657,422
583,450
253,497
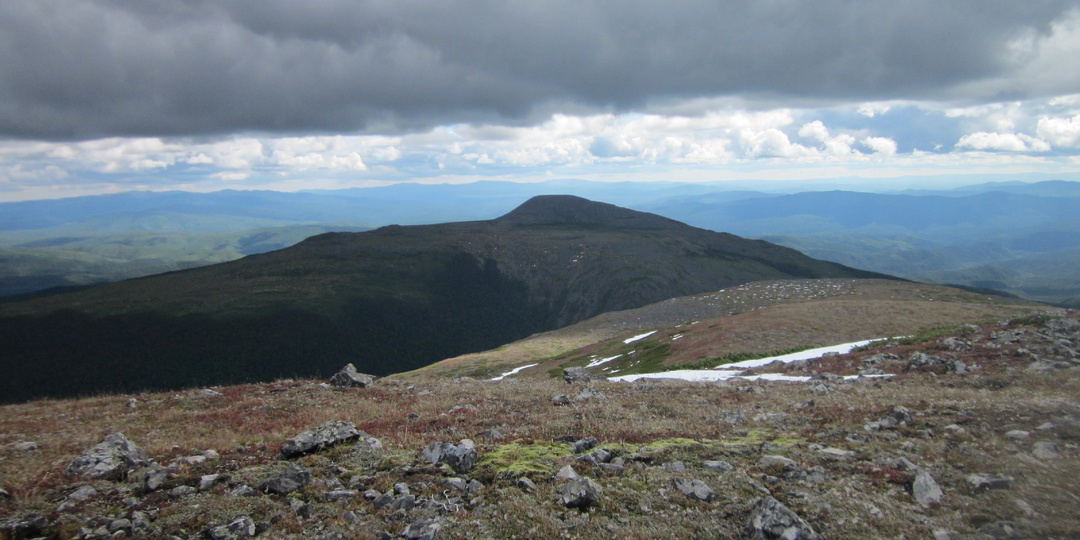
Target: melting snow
x,y
639,336
512,372
595,363
725,372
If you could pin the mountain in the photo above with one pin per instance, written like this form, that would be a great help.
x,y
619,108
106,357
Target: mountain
x,y
387,300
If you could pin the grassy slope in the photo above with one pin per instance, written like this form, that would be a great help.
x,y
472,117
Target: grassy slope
x,y
863,495
757,317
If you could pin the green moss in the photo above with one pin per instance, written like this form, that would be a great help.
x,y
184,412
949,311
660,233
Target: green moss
x,y
516,459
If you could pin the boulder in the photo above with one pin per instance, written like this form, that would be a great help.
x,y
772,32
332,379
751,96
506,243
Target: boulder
x,y
579,375
422,529
461,457
693,489
580,492
582,445
925,489
770,520
111,459
979,482
241,527
291,479
348,377
323,436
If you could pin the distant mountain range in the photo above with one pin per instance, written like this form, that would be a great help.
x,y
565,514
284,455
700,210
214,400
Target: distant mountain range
x,y
1016,237
387,300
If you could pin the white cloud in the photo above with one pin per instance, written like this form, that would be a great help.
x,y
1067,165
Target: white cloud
x,y
1060,132
871,110
880,145
1005,142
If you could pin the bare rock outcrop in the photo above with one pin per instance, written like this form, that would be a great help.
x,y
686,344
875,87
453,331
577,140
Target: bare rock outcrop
x,y
111,459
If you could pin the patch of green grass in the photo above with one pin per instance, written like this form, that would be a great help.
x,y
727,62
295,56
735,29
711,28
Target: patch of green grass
x,y
518,459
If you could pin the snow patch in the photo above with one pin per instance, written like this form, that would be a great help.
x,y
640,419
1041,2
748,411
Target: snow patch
x,y
638,337
595,363
513,371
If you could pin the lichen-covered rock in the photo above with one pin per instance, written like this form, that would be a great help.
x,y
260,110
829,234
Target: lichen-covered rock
x,y
580,492
579,375
925,489
461,457
291,479
348,377
770,520
694,489
241,527
111,459
323,436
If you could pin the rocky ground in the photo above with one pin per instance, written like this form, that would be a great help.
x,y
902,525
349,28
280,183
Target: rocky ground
x,y
974,435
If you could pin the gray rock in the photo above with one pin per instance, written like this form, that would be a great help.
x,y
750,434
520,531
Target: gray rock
x,y
579,493
422,529
979,482
208,481
474,488
1045,450
596,457
339,494
527,485
956,344
182,491
583,445
776,462
461,457
1017,434
579,375
770,520
926,490
111,459
587,394
566,473
383,500
317,438
25,446
27,526
348,377
559,399
81,494
721,466
676,466
291,479
119,525
154,477
351,518
694,489
241,527
243,491
836,452
407,502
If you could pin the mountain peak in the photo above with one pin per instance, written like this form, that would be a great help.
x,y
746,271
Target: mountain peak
x,y
572,210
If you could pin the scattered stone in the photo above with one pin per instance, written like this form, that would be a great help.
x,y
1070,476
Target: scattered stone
x,y
956,344
676,466
317,438
182,491
208,481
474,488
82,494
1045,450
243,491
291,479
111,459
770,520
979,482
25,446
209,393
566,473
588,393
493,434
119,525
579,493
527,485
776,462
461,457
407,502
241,527
836,452
919,360
351,518
339,494
154,477
721,466
559,399
583,445
733,417
348,377
694,489
579,375
819,387
597,456
1017,435
27,526
422,529
925,489
383,500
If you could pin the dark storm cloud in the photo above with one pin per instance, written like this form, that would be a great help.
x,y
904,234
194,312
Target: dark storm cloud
x,y
84,68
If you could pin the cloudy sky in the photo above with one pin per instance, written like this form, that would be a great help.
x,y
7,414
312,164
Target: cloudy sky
x,y
101,96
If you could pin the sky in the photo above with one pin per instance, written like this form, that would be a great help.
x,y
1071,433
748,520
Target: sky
x,y
102,96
